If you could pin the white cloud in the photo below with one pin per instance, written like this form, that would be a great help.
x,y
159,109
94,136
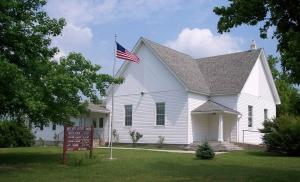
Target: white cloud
x,y
73,38
74,12
80,15
202,43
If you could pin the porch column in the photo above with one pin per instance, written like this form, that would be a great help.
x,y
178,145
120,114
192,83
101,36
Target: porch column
x,y
220,129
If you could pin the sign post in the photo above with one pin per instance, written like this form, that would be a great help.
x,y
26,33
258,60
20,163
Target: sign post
x,y
91,142
77,138
65,146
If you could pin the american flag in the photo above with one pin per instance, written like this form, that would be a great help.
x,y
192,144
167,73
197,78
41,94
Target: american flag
x,y
122,53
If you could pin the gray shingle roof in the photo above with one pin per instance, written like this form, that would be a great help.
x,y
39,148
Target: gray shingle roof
x,y
211,106
227,74
217,75
96,108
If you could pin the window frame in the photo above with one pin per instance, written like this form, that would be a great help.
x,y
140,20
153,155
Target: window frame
x,y
250,116
159,114
126,116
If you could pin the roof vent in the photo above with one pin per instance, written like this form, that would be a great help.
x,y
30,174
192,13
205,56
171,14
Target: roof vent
x,y
253,45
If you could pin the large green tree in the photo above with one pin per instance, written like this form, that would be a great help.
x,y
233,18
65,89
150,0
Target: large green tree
x,y
32,85
289,95
282,15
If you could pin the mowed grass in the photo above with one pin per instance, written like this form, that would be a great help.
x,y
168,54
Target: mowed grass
x,y
44,164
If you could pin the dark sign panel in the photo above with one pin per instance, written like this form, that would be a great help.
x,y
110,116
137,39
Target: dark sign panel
x,y
77,138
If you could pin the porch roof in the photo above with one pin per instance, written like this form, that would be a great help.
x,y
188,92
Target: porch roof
x,y
211,107
97,108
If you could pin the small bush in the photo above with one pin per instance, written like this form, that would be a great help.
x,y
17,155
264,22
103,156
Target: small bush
x,y
282,135
204,151
135,137
161,140
15,134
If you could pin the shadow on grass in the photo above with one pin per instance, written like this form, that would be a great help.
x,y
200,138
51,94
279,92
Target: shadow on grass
x,y
266,154
20,158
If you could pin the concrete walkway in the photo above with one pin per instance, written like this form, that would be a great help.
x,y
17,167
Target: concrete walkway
x,y
158,150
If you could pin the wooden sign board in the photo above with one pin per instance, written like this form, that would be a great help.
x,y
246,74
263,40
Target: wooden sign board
x,y
77,138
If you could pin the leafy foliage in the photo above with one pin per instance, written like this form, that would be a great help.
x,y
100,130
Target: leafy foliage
x,y
289,95
282,15
290,98
15,134
282,135
32,85
135,136
204,151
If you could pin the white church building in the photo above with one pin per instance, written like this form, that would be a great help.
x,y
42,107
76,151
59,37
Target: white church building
x,y
222,98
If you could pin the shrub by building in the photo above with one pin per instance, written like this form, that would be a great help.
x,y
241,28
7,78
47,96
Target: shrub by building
x,y
135,137
282,135
15,134
204,151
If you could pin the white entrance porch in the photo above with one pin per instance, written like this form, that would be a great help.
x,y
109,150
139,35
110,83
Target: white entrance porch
x,y
214,122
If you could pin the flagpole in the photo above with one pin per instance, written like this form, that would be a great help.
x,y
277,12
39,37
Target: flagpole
x,y
112,101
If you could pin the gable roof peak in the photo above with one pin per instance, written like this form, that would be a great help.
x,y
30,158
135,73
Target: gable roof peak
x,y
215,75
182,65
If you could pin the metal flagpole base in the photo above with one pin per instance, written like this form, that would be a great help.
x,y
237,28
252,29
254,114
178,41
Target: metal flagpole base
x,y
111,156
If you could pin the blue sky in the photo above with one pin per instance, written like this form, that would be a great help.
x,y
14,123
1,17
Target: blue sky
x,y
189,26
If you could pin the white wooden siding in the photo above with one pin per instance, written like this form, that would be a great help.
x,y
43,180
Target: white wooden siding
x,y
257,93
150,75
259,104
47,134
144,117
152,78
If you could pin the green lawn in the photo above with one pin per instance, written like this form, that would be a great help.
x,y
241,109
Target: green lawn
x,y
43,164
